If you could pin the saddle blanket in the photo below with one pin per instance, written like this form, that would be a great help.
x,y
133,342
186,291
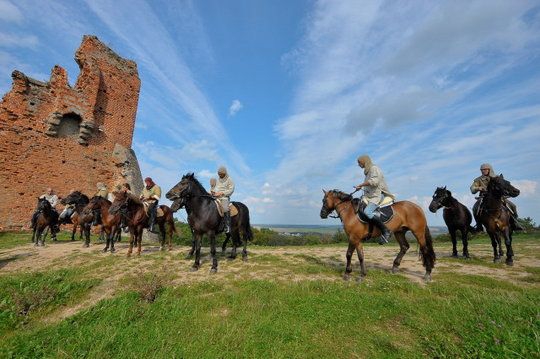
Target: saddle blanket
x,y
232,208
385,210
160,212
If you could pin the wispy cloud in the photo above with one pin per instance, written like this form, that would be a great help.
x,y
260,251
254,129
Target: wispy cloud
x,y
10,12
407,83
137,25
236,106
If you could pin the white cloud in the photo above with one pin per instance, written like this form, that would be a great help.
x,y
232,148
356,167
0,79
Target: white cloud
x,y
236,106
10,12
206,174
527,188
11,40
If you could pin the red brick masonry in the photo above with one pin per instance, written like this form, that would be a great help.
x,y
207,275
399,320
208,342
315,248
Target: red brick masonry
x,y
52,134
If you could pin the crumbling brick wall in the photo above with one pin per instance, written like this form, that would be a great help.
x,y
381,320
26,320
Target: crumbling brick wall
x,y
55,135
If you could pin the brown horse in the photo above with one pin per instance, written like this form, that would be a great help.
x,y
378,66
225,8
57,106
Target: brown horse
x,y
133,211
47,217
407,216
496,217
110,222
75,203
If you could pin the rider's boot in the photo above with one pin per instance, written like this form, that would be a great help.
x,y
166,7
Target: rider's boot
x,y
385,232
227,217
152,218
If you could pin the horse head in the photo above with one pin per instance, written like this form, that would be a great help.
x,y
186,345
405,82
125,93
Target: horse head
x,y
76,197
439,197
331,200
44,205
501,187
178,203
120,203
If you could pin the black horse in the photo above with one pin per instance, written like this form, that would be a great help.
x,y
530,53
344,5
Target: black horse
x,y
181,203
496,217
456,216
204,218
47,217
74,213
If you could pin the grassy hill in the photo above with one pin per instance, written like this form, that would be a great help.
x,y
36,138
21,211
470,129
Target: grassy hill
x,y
65,301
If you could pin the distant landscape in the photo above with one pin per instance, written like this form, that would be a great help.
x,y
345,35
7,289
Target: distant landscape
x,y
323,229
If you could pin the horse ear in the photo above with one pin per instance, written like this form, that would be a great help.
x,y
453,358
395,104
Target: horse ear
x,y
444,187
501,175
324,191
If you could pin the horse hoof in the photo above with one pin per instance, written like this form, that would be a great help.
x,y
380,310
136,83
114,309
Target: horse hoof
x,y
104,250
496,260
86,245
395,269
466,256
359,279
213,270
194,269
509,263
113,250
346,276
427,278
128,254
454,255
244,258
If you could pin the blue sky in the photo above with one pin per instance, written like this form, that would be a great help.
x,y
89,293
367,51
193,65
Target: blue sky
x,y
287,94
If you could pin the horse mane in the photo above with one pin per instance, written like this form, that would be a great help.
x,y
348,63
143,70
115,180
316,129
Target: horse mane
x,y
191,177
99,198
342,195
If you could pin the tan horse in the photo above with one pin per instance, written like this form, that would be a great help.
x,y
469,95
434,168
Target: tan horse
x,y
407,216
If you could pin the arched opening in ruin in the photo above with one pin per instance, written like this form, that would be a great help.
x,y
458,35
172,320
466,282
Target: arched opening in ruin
x,y
69,125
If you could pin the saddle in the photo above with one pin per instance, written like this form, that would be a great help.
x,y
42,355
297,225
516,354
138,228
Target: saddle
x,y
160,212
385,210
232,209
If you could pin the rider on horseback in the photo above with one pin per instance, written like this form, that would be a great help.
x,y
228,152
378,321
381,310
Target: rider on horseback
x,y
53,200
223,190
151,195
375,188
101,192
480,184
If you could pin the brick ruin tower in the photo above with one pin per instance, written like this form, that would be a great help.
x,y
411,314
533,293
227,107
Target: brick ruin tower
x,y
55,135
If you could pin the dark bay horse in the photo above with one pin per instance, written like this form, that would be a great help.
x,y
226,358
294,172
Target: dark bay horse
x,y
456,216
47,217
132,210
110,222
76,201
496,218
204,218
407,216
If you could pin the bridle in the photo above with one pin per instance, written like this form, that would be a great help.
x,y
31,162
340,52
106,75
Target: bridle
x,y
336,206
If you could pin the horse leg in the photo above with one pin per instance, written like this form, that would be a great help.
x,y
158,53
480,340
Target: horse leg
x,y
509,250
162,235
197,248
213,253
234,241
494,240
224,246
107,243
139,240
360,253
465,241
73,232
86,228
348,255
454,242
34,239
244,252
131,240
403,248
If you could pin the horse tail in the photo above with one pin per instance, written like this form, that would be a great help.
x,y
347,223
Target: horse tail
x,y
427,252
247,225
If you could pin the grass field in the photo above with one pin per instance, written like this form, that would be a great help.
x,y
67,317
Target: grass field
x,y
65,301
